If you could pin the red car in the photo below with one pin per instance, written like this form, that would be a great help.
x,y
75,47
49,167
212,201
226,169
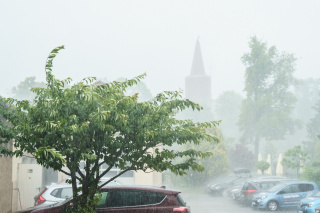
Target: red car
x,y
131,199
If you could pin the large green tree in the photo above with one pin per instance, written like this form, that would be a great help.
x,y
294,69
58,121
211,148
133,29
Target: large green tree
x,y
227,109
313,130
99,124
307,93
266,109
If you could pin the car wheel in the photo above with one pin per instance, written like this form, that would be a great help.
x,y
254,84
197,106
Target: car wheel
x,y
273,205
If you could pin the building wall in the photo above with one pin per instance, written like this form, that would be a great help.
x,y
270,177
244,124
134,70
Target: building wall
x,y
6,188
15,193
152,178
198,88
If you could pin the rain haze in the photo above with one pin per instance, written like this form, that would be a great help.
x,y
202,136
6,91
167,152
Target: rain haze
x,y
168,40
113,39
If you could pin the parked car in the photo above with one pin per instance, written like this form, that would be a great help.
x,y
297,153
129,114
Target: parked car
x,y
233,192
131,199
53,194
308,205
253,187
284,195
57,192
223,185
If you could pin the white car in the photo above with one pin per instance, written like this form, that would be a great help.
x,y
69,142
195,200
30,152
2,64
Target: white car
x,y
57,192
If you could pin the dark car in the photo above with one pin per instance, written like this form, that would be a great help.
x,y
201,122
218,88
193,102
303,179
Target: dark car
x,y
250,188
130,199
223,185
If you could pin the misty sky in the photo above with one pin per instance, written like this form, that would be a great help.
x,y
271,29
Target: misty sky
x,y
116,38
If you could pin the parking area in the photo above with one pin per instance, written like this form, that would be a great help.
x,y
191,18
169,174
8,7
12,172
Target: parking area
x,y
202,202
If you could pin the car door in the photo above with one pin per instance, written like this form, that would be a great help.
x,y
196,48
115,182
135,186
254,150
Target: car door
x,y
289,195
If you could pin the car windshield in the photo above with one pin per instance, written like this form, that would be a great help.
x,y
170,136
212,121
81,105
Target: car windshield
x,y
276,187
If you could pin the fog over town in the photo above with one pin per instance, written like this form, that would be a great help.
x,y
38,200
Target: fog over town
x,y
252,64
113,39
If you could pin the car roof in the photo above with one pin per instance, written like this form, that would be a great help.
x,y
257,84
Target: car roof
x,y
295,181
270,180
142,188
57,186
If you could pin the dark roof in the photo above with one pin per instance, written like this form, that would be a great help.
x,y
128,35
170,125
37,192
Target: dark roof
x,y
143,188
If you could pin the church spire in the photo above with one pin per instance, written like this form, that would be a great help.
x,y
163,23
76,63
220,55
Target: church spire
x,y
198,84
197,63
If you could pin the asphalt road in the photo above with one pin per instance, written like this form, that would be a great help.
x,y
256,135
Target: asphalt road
x,y
202,203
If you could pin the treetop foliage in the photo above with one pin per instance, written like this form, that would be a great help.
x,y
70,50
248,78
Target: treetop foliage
x,y
266,110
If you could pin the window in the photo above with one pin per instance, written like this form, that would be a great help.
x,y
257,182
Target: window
x,y
248,186
55,193
62,192
180,200
294,188
121,198
306,187
66,192
127,174
102,202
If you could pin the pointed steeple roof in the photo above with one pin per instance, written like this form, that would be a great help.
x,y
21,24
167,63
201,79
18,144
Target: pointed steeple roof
x,y
197,63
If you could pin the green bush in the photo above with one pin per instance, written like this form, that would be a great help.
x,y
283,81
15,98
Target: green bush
x,y
312,173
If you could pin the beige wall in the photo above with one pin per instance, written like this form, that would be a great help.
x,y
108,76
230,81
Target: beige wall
x,y
145,178
148,177
6,187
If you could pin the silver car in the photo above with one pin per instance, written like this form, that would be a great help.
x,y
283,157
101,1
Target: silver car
x,y
57,192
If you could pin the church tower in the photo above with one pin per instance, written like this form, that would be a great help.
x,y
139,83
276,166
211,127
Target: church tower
x,y
198,84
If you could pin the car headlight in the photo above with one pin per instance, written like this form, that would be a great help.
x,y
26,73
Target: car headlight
x,y
263,197
310,204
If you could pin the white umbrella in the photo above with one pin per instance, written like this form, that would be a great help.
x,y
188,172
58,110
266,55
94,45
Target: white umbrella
x,y
259,159
279,171
268,171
